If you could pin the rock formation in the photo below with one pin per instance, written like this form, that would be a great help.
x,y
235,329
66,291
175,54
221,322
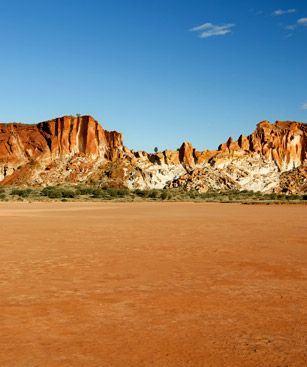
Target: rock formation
x,y
283,142
77,149
61,139
261,161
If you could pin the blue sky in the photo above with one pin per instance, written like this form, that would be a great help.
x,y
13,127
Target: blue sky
x,y
160,71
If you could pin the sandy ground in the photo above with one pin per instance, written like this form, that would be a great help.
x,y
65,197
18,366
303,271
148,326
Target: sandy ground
x,y
153,284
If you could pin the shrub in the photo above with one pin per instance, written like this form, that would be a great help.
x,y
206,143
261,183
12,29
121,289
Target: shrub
x,y
52,192
205,195
100,194
111,192
293,197
153,194
141,193
193,194
123,192
68,194
23,193
164,195
85,191
271,197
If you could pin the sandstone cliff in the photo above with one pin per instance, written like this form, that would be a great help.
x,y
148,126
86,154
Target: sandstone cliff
x,y
283,142
60,139
77,149
261,161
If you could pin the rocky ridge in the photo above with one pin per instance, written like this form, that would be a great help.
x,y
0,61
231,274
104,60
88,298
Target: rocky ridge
x,y
77,149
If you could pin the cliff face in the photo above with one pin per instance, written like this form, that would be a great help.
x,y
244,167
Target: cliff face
x,y
77,149
283,142
58,139
258,162
263,161
81,135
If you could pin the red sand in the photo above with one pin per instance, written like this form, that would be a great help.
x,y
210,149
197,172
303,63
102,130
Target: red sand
x,y
153,284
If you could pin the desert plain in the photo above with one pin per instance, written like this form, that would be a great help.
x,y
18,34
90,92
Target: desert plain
x,y
153,284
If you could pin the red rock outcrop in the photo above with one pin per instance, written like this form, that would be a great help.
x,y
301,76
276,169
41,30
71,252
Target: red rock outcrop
x,y
284,142
186,155
56,139
77,149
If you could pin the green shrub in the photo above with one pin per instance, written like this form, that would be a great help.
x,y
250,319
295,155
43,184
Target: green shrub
x,y
293,197
23,193
68,194
193,194
2,196
85,191
100,194
205,195
123,192
271,197
141,193
153,194
111,192
164,195
52,192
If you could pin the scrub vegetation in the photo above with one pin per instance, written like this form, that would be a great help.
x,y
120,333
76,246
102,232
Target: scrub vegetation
x,y
84,193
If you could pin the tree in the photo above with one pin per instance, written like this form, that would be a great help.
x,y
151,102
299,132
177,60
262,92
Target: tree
x,y
156,149
78,114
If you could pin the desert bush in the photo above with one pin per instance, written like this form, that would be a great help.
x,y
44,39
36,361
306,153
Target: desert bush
x,y
123,192
164,195
85,191
52,192
293,197
2,196
100,194
153,194
204,195
141,193
23,193
111,192
193,194
271,197
68,193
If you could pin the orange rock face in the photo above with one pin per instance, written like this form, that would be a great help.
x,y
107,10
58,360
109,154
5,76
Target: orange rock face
x,y
56,139
186,155
77,149
284,142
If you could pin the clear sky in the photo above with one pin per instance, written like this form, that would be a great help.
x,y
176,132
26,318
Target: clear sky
x,y
160,71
